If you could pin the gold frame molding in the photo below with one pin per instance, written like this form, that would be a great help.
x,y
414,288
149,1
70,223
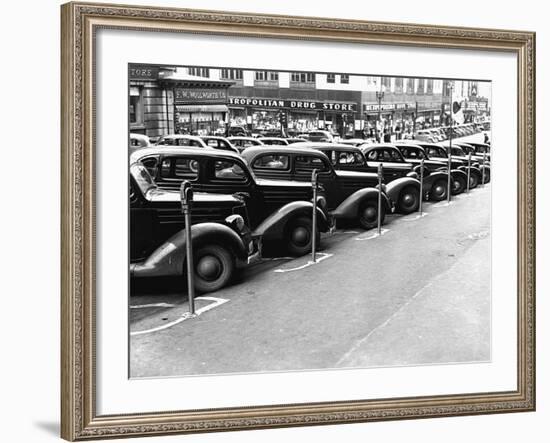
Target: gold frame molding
x,y
79,21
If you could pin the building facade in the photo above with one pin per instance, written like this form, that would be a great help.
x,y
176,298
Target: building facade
x,y
203,101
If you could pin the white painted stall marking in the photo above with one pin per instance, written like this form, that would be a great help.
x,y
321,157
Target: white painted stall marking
x,y
322,256
153,305
414,217
373,235
186,316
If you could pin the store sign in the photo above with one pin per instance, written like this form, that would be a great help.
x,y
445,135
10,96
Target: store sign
x,y
292,104
388,107
476,106
200,95
143,73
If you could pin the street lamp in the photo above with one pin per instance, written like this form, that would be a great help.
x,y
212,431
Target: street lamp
x,y
379,97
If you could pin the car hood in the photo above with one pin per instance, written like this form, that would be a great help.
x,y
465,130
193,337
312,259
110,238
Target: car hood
x,y
356,174
282,183
162,196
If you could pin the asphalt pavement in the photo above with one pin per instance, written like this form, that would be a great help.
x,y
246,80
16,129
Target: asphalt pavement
x,y
418,294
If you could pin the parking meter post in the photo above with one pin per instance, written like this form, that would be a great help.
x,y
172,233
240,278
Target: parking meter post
x,y
421,194
469,166
449,177
314,215
186,196
380,173
483,171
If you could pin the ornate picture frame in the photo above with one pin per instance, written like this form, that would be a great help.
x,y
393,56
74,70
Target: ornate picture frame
x,y
80,22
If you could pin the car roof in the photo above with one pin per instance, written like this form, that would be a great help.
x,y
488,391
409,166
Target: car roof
x,y
370,146
254,151
184,150
326,146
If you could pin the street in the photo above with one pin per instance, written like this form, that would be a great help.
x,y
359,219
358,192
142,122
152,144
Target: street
x,y
417,294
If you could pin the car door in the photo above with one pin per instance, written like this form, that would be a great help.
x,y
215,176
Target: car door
x,y
384,156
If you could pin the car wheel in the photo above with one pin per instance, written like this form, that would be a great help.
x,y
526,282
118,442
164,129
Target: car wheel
x,y
439,191
474,180
458,185
408,200
368,214
214,267
487,176
298,236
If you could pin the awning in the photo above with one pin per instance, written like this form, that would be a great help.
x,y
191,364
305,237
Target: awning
x,y
201,108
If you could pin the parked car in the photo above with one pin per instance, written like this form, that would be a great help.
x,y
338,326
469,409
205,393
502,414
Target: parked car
x,y
438,152
469,148
458,152
238,131
241,143
138,141
320,136
292,140
482,148
274,141
219,143
222,241
181,140
403,183
279,211
414,154
349,195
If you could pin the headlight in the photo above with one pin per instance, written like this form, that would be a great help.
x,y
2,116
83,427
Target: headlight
x,y
236,222
321,202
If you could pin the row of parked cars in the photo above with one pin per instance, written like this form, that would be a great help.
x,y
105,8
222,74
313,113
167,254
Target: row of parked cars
x,y
246,197
443,133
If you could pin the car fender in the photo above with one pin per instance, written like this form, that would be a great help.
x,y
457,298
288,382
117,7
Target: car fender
x,y
429,180
456,173
349,208
394,187
169,258
273,227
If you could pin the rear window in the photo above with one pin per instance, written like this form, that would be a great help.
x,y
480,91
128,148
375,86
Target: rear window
x,y
347,158
230,171
309,163
272,161
178,167
176,141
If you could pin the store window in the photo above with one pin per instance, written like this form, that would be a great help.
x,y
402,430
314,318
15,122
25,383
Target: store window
x,y
344,78
331,78
136,109
232,74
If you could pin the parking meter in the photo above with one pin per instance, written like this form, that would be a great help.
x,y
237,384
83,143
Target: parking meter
x,y
449,163
314,178
421,193
186,197
380,177
483,171
469,167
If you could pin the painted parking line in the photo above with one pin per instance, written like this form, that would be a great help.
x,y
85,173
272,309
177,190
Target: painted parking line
x,y
414,217
153,305
442,204
322,256
186,316
373,235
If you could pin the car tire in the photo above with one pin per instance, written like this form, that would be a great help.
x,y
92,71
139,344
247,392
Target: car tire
x,y
458,185
474,180
368,214
487,176
214,267
408,200
298,235
439,191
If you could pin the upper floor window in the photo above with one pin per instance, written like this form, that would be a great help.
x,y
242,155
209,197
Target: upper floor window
x,y
420,88
399,84
344,78
302,77
331,78
429,87
232,74
410,86
199,72
267,76
386,82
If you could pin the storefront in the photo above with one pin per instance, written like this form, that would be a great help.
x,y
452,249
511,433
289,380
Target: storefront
x,y
389,120
294,115
200,107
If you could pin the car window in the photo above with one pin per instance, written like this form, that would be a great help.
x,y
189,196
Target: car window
x,y
178,141
151,164
309,163
179,167
272,161
212,142
229,170
349,158
412,153
372,155
435,152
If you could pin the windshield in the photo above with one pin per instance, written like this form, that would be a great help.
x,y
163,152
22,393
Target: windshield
x,y
142,178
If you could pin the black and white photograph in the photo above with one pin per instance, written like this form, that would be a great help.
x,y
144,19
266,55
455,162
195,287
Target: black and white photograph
x,y
297,221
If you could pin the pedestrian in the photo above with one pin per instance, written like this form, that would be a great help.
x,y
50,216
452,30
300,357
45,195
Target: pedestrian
x,y
486,138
